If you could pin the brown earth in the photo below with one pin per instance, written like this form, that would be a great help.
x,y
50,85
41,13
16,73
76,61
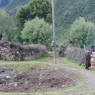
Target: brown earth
x,y
39,79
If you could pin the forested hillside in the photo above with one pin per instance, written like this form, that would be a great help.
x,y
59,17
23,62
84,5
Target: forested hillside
x,y
67,11
11,5
4,3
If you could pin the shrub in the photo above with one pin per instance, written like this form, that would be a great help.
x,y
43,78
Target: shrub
x,y
37,31
82,33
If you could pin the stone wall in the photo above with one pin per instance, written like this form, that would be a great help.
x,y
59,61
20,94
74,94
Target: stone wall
x,y
17,51
93,59
78,54
75,53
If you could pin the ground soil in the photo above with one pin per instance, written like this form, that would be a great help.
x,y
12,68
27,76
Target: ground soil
x,y
88,87
38,79
64,80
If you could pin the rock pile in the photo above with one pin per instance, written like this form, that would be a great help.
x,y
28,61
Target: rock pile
x,y
17,51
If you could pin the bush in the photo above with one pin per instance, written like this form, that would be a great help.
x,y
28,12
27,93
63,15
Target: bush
x,y
37,31
36,8
82,33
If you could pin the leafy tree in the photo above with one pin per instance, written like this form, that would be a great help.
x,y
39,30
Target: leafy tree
x,y
22,15
82,33
67,11
36,8
7,27
36,31
2,14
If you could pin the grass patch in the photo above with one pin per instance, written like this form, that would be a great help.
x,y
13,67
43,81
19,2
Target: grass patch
x,y
71,62
43,58
25,66
78,85
74,63
19,67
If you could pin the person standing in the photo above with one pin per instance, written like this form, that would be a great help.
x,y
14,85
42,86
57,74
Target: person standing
x,y
88,60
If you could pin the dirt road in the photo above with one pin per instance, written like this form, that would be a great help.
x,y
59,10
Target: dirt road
x,y
89,81
89,78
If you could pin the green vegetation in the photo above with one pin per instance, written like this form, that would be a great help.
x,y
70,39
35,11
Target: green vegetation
x,y
37,31
85,93
43,58
82,33
13,6
27,66
30,25
67,11
20,67
70,61
7,26
36,8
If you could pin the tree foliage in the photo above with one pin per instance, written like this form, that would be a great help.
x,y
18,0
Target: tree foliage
x,y
36,8
37,31
7,27
67,11
82,33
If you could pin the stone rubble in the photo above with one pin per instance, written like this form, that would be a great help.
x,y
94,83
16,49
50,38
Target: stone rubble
x,y
17,51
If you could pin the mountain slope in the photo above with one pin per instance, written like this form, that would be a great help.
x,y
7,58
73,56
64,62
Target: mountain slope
x,y
4,3
69,10
11,5
66,12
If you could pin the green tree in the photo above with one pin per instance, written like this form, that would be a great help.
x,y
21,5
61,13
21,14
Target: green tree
x,y
2,14
7,27
36,8
36,31
82,33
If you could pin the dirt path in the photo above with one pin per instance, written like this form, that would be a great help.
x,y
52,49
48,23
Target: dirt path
x,y
89,80
88,75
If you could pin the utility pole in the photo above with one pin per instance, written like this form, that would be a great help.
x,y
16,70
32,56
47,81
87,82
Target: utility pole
x,y
53,44
53,20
